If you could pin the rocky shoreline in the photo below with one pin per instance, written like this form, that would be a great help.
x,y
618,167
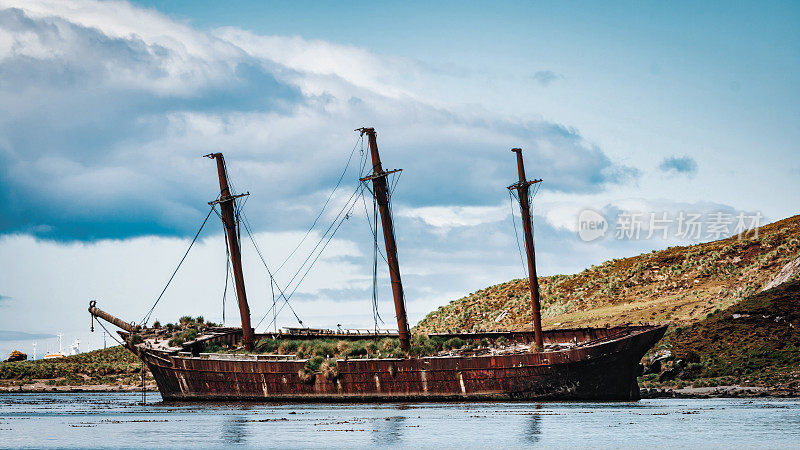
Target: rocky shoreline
x,y
734,391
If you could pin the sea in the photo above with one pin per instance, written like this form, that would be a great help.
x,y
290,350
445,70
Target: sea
x,y
85,420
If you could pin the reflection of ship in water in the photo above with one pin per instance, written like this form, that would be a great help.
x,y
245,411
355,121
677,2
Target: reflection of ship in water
x,y
533,428
389,430
234,430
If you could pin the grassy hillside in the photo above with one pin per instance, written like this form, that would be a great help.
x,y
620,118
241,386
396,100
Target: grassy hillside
x,y
756,341
680,285
112,366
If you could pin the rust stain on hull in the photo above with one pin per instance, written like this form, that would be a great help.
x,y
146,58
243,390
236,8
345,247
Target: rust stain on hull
x,y
603,370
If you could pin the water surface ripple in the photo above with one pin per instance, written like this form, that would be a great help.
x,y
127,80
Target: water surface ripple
x,y
118,420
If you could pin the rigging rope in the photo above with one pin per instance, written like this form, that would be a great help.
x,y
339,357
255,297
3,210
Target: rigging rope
x,y
375,315
147,316
313,224
274,303
286,298
330,237
227,273
347,207
322,243
511,198
389,192
106,330
263,261
273,281
530,205
374,231
391,213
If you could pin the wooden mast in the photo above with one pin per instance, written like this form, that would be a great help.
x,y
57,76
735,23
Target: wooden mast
x,y
522,187
381,193
226,204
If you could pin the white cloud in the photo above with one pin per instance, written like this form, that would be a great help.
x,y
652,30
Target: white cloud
x,y
356,66
89,78
447,217
105,109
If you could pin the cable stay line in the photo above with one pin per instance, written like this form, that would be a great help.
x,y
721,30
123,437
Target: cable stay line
x,y
376,247
325,238
375,313
338,222
227,275
274,303
281,299
263,261
150,312
324,205
513,196
347,206
374,231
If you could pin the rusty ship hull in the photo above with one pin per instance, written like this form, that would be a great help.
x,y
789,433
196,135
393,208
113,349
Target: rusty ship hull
x,y
604,368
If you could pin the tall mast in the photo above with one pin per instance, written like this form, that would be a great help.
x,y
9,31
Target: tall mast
x,y
381,193
226,204
522,187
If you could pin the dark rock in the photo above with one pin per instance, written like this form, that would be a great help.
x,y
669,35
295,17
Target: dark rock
x,y
654,367
670,374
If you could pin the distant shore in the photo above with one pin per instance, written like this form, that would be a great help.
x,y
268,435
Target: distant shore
x,y
44,387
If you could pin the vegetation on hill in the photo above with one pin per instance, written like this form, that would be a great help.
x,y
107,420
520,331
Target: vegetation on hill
x,y
680,285
756,341
112,366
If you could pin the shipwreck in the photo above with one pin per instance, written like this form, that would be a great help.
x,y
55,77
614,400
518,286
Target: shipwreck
x,y
585,364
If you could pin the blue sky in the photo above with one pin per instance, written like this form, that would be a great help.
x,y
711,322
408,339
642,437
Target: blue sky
x,y
107,107
714,80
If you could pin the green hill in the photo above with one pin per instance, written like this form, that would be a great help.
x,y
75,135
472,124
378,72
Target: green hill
x,y
756,341
111,367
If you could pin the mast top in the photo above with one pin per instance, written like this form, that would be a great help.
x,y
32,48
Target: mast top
x,y
522,183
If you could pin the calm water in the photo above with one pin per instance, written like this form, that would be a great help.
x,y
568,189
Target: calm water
x,y
91,420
